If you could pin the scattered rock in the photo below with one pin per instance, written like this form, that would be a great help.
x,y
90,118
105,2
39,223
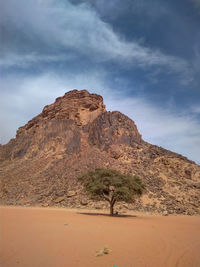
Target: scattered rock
x,y
59,199
190,212
84,202
165,213
71,193
97,207
59,194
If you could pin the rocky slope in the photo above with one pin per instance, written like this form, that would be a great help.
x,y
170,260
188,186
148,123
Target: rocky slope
x,y
75,134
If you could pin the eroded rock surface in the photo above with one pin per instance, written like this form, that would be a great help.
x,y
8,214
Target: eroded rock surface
x,y
76,134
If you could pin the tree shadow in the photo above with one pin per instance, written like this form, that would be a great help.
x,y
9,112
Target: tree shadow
x,y
107,214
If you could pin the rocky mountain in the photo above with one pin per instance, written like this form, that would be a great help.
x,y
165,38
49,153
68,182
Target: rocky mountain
x,y
75,134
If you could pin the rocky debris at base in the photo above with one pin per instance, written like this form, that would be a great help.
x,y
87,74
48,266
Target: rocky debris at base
x,y
76,134
59,199
71,193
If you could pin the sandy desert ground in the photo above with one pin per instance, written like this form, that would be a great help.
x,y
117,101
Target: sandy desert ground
x,y
40,237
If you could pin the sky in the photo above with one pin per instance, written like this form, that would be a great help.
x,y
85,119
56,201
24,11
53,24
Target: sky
x,y
142,56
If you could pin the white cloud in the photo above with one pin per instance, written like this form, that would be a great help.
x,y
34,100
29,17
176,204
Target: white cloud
x,y
164,127
37,31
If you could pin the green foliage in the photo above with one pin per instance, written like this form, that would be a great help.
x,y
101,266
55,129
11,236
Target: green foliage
x,y
111,185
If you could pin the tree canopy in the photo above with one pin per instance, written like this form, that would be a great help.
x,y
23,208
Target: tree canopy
x,y
111,185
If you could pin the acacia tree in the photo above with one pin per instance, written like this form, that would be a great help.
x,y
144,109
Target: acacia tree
x,y
111,185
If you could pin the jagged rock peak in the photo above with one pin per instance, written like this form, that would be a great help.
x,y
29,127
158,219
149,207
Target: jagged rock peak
x,y
81,94
71,124
74,102
77,105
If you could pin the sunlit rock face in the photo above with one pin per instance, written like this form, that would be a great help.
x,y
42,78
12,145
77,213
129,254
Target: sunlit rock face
x,y
76,134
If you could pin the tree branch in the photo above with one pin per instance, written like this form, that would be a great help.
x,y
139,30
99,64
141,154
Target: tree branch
x,y
106,197
113,200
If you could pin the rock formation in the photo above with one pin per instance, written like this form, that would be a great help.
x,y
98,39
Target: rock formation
x,y
75,134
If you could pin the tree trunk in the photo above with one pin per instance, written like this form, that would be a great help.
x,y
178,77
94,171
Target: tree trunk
x,y
111,209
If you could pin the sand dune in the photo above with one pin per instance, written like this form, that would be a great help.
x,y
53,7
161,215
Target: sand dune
x,y
39,237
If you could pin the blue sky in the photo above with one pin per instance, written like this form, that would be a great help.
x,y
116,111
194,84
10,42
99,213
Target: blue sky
x,y
142,56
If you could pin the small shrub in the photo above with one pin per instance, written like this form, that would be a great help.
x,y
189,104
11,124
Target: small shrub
x,y
102,251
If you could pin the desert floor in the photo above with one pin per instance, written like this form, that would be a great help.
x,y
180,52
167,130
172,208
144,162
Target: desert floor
x,y
40,237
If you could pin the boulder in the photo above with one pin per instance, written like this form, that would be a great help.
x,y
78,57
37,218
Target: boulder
x,y
71,193
84,202
59,199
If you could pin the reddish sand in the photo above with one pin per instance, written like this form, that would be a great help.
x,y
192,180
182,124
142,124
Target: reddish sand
x,y
44,237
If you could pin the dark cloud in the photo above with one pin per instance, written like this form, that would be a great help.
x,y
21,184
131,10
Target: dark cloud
x,y
34,32
196,4
114,9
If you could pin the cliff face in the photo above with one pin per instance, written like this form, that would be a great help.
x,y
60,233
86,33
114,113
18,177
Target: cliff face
x,y
58,128
76,133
